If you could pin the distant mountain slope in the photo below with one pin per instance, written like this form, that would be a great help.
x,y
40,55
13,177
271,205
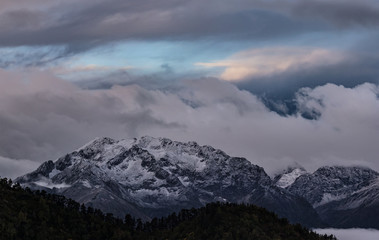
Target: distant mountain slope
x,y
37,215
332,183
152,177
343,196
360,209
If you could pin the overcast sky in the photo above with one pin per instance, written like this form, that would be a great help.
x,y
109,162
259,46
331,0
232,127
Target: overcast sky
x,y
277,81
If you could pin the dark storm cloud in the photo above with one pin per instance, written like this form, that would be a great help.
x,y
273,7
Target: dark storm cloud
x,y
78,26
33,57
285,84
98,22
86,24
278,90
342,13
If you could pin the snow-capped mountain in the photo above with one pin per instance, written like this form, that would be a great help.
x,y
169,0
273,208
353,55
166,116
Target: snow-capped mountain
x,y
360,209
328,184
150,177
343,196
289,175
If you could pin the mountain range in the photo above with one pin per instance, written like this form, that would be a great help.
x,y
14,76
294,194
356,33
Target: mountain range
x,y
152,177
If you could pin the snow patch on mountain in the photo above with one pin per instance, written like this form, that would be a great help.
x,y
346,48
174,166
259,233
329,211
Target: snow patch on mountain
x,y
54,172
288,178
86,184
328,197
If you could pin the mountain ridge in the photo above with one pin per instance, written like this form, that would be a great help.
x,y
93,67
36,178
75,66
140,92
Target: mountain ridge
x,y
151,177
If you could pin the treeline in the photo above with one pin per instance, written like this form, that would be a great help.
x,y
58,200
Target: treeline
x,y
26,214
227,221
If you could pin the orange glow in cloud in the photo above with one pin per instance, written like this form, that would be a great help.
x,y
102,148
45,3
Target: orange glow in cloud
x,y
266,61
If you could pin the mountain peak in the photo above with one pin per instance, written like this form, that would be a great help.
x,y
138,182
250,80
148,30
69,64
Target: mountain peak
x,y
98,141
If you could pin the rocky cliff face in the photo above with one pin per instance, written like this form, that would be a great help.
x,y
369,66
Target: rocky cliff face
x,y
150,177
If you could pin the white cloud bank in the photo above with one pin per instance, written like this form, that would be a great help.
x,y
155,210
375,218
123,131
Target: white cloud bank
x,y
351,234
43,117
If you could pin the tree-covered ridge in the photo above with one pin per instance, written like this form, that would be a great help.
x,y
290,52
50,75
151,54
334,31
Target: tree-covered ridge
x,y
229,221
37,215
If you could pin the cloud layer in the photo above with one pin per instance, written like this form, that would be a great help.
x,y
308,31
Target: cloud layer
x,y
43,117
60,22
12,168
351,234
40,22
